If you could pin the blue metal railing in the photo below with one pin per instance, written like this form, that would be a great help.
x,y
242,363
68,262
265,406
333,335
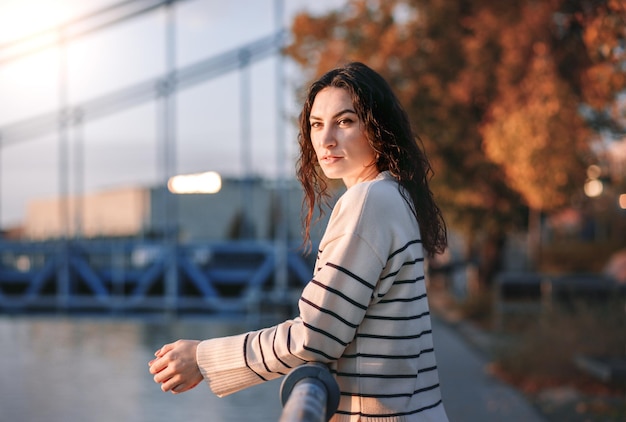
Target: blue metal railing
x,y
131,275
309,393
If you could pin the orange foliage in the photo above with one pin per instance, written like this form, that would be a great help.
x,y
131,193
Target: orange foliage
x,y
493,88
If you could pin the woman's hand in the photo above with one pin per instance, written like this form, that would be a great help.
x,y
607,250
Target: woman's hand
x,y
175,366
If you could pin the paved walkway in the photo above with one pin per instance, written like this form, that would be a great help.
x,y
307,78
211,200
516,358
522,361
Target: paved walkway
x,y
470,393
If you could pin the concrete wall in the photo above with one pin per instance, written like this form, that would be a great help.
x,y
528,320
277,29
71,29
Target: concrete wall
x,y
120,212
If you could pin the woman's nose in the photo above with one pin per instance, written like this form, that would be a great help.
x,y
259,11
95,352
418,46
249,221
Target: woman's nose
x,y
327,138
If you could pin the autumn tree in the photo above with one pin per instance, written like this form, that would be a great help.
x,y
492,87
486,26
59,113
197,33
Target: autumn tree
x,y
494,89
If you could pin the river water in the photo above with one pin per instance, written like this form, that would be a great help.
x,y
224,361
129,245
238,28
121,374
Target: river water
x,y
65,369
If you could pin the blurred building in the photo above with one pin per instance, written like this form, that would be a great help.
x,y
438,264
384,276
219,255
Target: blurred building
x,y
248,209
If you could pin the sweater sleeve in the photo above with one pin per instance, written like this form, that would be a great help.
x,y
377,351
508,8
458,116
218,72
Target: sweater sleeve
x,y
331,307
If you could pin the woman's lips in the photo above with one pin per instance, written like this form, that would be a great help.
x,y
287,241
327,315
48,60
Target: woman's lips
x,y
329,159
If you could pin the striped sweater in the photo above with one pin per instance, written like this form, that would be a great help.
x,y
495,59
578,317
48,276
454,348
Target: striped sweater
x,y
364,313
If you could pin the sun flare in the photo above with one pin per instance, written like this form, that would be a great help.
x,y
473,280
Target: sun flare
x,y
25,18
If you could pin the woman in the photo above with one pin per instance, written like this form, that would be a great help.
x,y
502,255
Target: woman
x,y
365,312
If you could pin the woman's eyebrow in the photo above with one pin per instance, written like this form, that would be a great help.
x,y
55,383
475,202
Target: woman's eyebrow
x,y
347,110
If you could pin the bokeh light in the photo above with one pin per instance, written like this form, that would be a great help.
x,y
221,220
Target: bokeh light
x,y
208,182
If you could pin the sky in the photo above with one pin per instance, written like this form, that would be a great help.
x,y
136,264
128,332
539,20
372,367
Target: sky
x,y
123,149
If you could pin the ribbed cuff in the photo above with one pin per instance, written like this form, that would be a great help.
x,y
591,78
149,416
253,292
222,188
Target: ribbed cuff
x,y
223,366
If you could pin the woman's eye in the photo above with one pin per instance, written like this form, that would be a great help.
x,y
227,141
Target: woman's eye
x,y
315,124
344,122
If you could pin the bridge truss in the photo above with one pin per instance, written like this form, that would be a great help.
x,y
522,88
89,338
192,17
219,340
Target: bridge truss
x,y
73,274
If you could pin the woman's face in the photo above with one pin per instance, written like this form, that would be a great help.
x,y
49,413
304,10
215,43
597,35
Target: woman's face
x,y
338,138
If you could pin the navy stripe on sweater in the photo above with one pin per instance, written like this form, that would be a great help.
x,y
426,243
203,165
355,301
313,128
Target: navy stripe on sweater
x,y
384,376
404,299
319,352
398,282
409,337
329,312
402,249
351,274
380,356
391,415
263,355
275,353
245,355
410,281
338,293
262,352
387,396
404,264
398,318
325,333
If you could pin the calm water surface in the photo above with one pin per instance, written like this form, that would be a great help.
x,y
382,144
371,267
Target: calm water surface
x,y
63,369
66,369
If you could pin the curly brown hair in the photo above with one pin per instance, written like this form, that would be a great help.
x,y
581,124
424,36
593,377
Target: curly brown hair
x,y
398,150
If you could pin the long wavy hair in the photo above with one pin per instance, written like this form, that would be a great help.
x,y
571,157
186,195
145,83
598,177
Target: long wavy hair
x,y
397,148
